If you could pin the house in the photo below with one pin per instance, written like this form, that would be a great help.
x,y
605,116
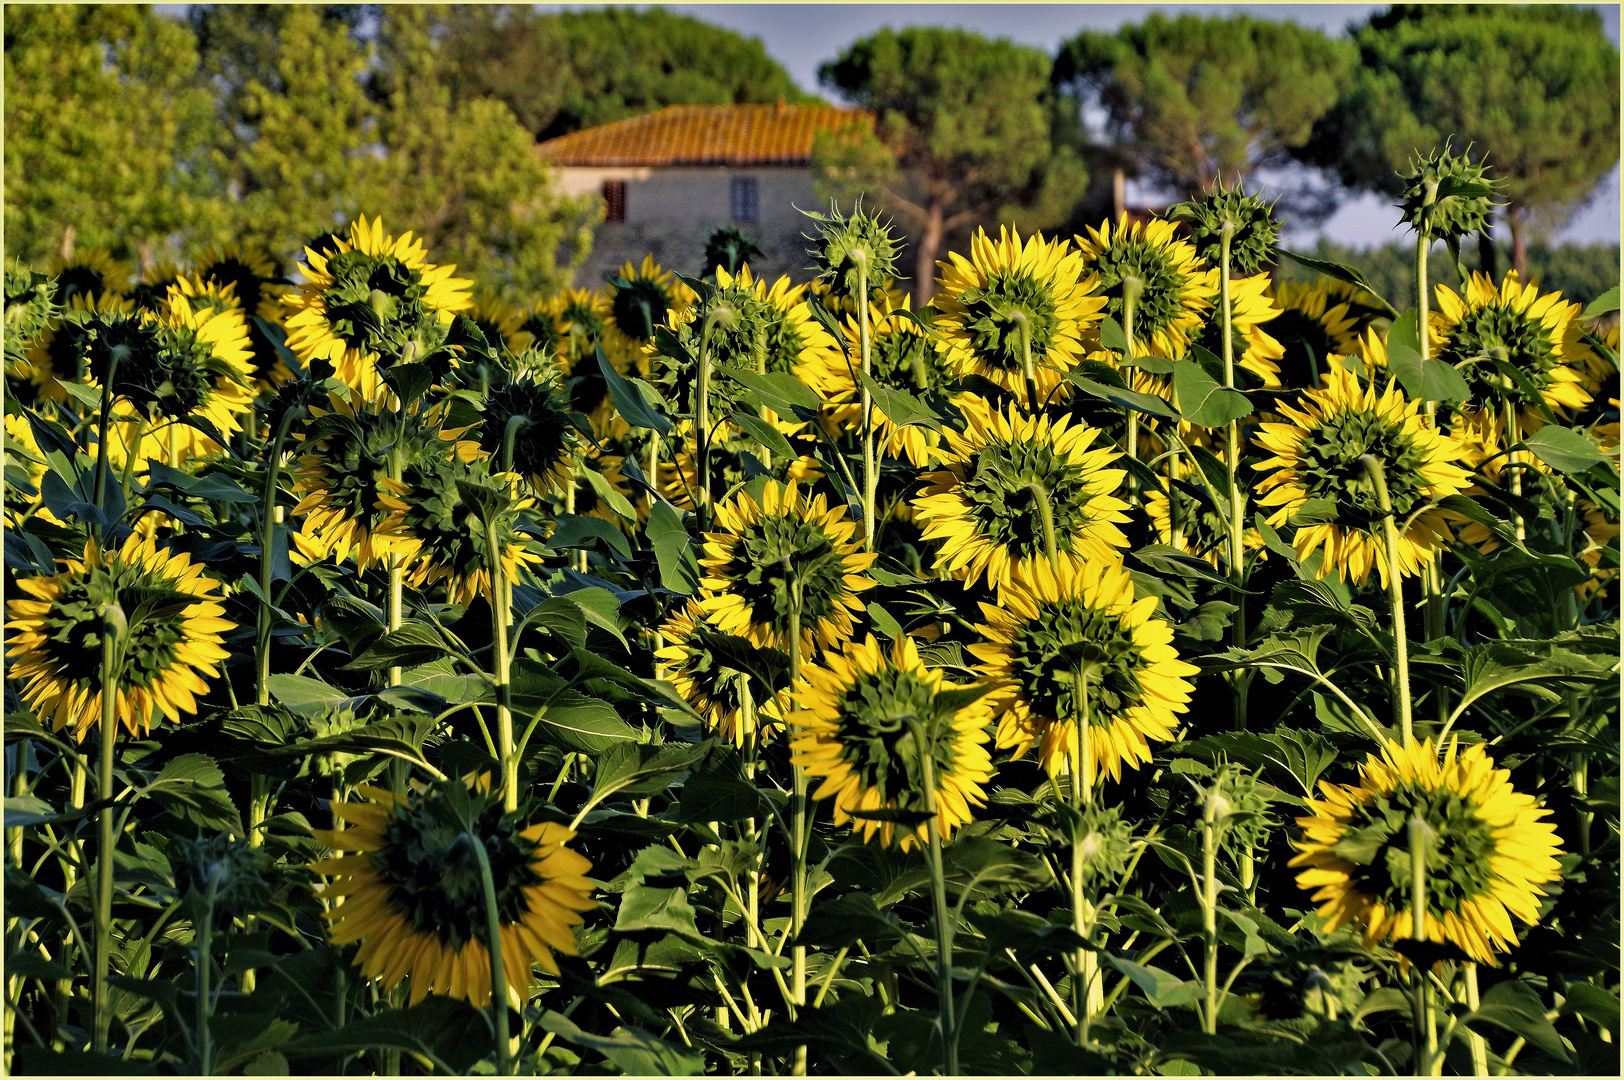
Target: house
x,y
669,179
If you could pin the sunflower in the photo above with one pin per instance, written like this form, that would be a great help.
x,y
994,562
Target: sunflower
x,y
852,733
1539,337
1011,299
349,497
88,272
1175,290
902,357
1051,636
199,367
28,461
986,503
448,541
771,548
501,323
58,354
156,281
1316,322
1317,456
410,890
369,303
706,681
679,478
1598,532
258,283
527,412
1488,855
171,642
640,299
610,471
549,331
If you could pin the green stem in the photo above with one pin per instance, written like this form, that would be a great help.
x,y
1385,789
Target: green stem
x,y
702,417
205,975
1237,494
871,470
1426,1035
113,627
270,514
1395,595
799,831
500,619
1130,299
1027,367
493,943
1045,505
1209,910
103,423
1479,1046
510,434
946,1015
1513,468
1085,978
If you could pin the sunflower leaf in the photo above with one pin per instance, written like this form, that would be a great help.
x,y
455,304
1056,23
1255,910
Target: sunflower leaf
x,y
1429,380
1605,304
629,400
1149,404
900,407
1565,449
1182,563
412,643
1202,400
765,434
674,550
780,391
579,530
193,789
1112,336
1515,1007
1338,271
617,502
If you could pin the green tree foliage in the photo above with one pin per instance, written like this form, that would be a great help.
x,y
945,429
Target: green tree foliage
x,y
107,131
1533,90
1192,98
962,133
564,71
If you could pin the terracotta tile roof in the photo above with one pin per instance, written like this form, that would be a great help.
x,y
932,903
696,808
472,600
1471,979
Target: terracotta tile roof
x,y
703,135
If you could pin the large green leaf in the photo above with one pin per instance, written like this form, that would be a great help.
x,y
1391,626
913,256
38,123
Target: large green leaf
x,y
1202,400
193,788
630,401
1340,272
1565,449
632,1050
674,550
411,643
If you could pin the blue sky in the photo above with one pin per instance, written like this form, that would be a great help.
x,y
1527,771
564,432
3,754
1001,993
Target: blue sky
x,y
802,36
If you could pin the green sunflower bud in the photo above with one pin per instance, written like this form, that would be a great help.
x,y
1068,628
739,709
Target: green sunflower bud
x,y
1248,219
845,248
1235,805
728,248
220,877
1100,835
1447,196
29,308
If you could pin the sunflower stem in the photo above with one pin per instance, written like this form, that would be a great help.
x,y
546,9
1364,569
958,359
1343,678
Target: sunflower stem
x,y
493,943
1395,594
205,975
1027,367
1513,468
946,1014
799,829
510,433
1237,496
871,471
1209,911
500,618
1086,974
269,518
1426,1034
1479,1046
113,628
702,418
1040,496
1130,300
103,423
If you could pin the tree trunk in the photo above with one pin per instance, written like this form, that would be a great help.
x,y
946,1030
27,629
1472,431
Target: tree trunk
x,y
67,244
1515,215
930,241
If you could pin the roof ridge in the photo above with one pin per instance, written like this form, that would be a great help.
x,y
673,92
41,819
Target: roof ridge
x,y
751,133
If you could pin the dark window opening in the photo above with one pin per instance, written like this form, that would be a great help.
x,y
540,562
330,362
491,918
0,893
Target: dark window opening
x,y
746,199
614,200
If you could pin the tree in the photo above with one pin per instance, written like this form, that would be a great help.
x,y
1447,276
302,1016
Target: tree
x,y
1195,98
961,133
1532,90
107,132
564,71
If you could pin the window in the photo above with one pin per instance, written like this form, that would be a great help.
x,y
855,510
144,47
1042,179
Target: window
x,y
746,198
614,200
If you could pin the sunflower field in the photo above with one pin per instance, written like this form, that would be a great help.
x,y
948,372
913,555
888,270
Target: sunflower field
x,y
1123,665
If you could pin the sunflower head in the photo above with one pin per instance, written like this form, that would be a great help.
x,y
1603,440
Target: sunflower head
x,y
1511,342
849,250
1005,479
705,667
1318,469
777,556
526,415
1247,220
500,322
1169,284
1014,310
643,297
731,325
166,616
461,519
30,306
412,891
1059,647
1447,195
729,248
88,272
888,736
1487,851
1316,321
